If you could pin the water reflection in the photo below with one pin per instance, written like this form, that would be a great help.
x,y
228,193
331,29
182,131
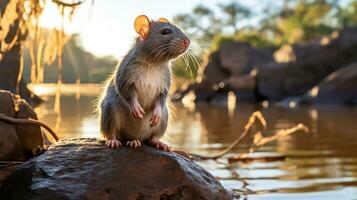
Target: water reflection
x,y
318,165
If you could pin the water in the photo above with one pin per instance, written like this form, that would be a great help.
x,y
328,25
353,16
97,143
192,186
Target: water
x,y
321,164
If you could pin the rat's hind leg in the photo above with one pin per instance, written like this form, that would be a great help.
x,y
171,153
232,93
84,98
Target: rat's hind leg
x,y
155,142
109,125
159,131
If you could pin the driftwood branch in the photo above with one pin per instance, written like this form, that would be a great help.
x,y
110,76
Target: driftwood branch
x,y
259,140
252,119
12,120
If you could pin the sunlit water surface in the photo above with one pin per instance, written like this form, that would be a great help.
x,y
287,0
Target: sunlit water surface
x,y
318,165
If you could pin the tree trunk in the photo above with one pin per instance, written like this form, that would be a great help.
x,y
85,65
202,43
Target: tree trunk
x,y
11,37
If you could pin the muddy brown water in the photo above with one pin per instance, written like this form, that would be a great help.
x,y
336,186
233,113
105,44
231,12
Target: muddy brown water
x,y
321,164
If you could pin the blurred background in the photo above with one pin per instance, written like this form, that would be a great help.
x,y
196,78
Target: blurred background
x,y
295,61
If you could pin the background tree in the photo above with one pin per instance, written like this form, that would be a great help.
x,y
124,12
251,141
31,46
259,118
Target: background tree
x,y
235,12
19,18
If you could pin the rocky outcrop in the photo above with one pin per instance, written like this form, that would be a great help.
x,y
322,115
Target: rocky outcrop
x,y
313,62
254,75
86,169
229,69
18,141
239,58
340,87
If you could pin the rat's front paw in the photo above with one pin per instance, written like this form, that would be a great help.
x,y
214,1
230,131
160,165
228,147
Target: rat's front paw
x,y
113,143
137,111
155,117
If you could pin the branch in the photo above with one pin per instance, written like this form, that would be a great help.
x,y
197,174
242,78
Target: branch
x,y
253,118
28,121
259,140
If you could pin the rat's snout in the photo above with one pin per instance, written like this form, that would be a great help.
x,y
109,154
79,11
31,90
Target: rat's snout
x,y
186,42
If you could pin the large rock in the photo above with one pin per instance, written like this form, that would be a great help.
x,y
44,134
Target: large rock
x,y
10,148
301,67
313,62
240,57
340,87
18,141
227,69
86,169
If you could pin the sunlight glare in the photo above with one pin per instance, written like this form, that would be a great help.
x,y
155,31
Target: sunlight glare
x,y
231,103
51,17
189,100
314,91
292,104
265,103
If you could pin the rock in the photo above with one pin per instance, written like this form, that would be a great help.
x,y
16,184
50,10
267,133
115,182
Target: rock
x,y
244,87
30,136
240,57
227,69
214,72
340,87
313,62
86,169
10,148
18,141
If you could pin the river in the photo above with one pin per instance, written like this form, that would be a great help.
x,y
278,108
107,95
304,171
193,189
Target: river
x,y
321,164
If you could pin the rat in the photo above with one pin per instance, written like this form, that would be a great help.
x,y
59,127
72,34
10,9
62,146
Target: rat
x,y
132,107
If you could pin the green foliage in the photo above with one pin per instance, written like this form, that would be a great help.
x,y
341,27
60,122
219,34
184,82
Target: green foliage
x,y
295,21
305,21
255,38
348,16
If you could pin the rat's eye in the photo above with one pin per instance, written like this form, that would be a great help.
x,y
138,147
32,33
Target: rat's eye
x,y
165,31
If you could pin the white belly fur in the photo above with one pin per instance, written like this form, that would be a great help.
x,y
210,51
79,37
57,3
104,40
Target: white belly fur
x,y
149,84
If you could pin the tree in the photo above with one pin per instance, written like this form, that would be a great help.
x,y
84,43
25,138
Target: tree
x,y
235,12
300,21
348,16
78,64
11,37
18,18
202,23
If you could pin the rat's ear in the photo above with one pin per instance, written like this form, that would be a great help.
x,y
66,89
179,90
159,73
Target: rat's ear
x,y
142,26
163,20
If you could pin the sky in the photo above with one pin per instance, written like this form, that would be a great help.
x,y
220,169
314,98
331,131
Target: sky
x,y
107,27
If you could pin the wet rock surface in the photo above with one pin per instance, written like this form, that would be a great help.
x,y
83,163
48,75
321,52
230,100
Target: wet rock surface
x,y
86,169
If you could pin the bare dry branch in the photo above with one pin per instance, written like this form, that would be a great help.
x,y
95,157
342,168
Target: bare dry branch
x,y
252,119
259,139
28,121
